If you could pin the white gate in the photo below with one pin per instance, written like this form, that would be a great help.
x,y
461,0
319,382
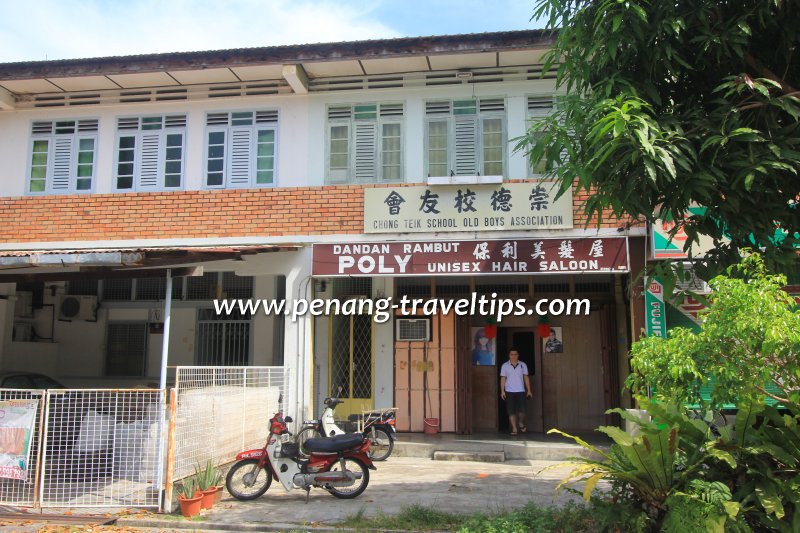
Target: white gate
x,y
222,411
88,448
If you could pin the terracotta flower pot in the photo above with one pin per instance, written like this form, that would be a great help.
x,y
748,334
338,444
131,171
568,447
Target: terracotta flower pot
x,y
209,496
190,506
218,494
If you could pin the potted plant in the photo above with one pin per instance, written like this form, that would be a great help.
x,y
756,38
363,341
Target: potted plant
x,y
219,482
207,477
189,498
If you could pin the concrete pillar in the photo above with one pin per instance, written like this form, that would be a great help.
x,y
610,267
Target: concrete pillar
x,y
298,336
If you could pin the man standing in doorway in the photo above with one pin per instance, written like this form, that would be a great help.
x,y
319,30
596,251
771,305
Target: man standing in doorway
x,y
515,388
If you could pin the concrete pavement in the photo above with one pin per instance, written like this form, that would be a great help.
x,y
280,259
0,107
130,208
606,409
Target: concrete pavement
x,y
456,487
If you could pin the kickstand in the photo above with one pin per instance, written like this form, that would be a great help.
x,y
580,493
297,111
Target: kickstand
x,y
308,491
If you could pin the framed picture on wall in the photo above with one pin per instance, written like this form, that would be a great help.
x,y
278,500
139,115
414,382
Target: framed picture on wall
x,y
484,348
554,343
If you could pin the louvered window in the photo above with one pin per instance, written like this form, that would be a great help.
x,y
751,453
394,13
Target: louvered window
x,y
465,137
538,108
365,143
62,156
241,149
150,153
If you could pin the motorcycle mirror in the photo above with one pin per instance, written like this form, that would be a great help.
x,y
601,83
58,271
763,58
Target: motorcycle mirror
x,y
288,419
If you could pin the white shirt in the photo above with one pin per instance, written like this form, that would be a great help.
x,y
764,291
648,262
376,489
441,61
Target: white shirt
x,y
514,376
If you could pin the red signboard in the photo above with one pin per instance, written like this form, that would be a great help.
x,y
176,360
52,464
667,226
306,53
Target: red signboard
x,y
488,256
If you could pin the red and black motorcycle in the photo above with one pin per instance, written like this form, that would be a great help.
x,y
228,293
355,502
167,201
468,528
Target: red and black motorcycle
x,y
337,464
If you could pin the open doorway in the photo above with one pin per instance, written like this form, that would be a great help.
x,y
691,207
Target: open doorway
x,y
525,341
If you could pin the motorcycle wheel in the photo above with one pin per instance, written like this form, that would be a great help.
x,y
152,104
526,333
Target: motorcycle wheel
x,y
381,444
305,434
246,481
358,486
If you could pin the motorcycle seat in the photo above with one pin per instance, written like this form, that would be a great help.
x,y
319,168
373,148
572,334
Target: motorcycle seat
x,y
336,443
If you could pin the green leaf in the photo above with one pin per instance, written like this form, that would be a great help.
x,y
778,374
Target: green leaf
x,y
616,22
770,500
590,485
722,455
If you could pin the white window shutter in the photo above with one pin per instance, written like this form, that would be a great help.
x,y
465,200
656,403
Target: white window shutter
x,y
466,137
366,167
241,141
149,157
62,163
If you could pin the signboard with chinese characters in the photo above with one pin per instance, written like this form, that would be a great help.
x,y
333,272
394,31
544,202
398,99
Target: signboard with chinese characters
x,y
502,206
656,323
490,256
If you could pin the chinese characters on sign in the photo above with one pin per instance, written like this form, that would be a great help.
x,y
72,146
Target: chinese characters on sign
x,y
490,256
466,208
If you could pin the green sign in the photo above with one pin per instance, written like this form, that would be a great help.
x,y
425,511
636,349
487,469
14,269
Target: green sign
x,y
655,312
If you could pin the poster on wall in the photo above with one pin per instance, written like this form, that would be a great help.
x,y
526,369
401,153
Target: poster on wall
x,y
483,348
17,419
554,343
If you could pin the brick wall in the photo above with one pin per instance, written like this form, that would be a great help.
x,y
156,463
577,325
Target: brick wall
x,y
194,214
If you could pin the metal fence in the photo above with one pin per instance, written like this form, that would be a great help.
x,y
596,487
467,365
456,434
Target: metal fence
x,y
222,411
81,448
102,448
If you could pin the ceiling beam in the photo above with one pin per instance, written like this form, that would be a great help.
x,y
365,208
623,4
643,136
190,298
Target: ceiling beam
x,y
7,100
296,77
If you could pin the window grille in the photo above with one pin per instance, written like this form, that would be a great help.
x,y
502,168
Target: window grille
x,y
126,348
343,287
202,287
117,289
83,287
550,287
234,286
223,340
413,287
597,287
156,288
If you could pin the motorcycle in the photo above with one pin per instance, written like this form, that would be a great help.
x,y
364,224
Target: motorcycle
x,y
338,464
377,426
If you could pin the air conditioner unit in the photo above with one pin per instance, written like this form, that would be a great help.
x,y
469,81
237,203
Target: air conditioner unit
x,y
77,307
413,329
24,306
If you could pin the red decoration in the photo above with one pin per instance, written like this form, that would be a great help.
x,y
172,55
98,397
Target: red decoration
x,y
544,330
490,330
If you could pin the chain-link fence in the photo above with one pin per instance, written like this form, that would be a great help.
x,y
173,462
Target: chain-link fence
x,y
222,411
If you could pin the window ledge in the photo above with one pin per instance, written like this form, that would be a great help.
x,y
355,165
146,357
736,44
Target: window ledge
x,y
463,180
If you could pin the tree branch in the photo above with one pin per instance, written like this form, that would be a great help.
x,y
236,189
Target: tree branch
x,y
767,73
